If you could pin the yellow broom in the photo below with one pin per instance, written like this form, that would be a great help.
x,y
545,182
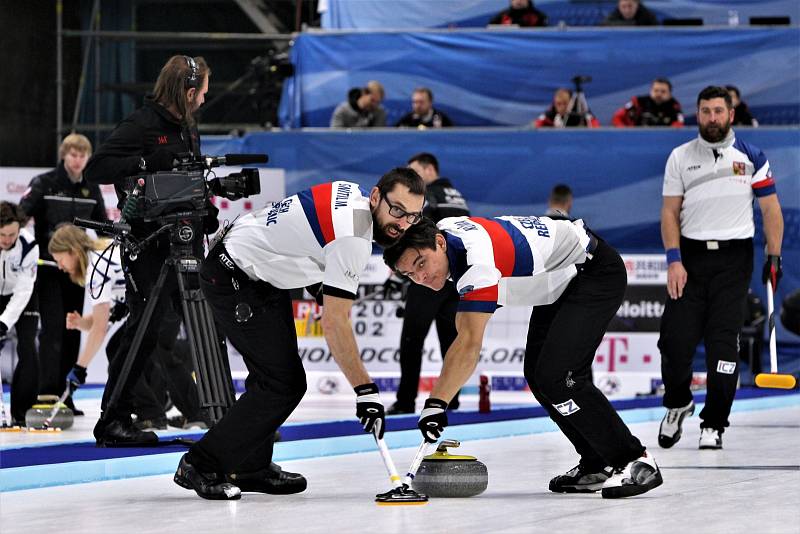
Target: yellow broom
x,y
773,379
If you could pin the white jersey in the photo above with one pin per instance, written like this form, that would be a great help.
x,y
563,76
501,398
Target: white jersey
x,y
322,234
718,182
105,280
512,260
17,275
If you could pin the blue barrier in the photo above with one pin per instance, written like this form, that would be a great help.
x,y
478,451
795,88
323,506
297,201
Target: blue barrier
x,y
414,14
507,78
616,174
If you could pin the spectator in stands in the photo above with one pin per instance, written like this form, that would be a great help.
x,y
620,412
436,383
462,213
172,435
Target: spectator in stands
x,y
53,198
741,113
520,13
362,109
630,13
658,108
19,306
560,201
423,114
562,113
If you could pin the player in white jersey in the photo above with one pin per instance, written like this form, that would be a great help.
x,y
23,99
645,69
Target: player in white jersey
x,y
322,235
576,283
707,227
19,254
90,264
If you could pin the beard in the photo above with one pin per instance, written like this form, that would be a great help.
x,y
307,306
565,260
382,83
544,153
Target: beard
x,y
382,234
714,133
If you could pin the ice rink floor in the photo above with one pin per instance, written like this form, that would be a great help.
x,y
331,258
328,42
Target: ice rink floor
x,y
751,486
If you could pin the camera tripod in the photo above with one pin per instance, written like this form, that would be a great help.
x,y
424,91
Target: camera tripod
x,y
209,359
578,106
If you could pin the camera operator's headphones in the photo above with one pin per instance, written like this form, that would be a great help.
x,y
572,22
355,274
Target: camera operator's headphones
x,y
192,77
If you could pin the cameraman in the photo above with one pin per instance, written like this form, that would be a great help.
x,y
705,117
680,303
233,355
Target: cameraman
x,y
148,141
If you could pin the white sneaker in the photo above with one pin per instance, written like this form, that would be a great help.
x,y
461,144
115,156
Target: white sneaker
x,y
710,439
670,430
639,476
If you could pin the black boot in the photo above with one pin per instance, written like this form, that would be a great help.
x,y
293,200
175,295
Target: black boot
x,y
272,480
207,485
122,434
71,405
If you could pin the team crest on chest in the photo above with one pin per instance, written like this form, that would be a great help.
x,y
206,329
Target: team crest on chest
x,y
739,168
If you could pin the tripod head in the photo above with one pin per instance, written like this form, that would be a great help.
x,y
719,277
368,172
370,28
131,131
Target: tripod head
x,y
579,80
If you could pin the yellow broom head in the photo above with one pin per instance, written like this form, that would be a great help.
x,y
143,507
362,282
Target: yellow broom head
x,y
775,380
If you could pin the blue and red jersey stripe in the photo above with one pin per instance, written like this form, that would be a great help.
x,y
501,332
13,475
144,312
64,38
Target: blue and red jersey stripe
x,y
316,203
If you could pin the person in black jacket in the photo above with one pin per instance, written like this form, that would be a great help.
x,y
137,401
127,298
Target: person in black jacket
x,y
53,198
424,305
741,112
630,13
147,141
521,13
423,115
659,108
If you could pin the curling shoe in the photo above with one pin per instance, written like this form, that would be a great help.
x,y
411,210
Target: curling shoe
x,y
710,438
207,485
670,430
272,480
124,434
639,476
580,480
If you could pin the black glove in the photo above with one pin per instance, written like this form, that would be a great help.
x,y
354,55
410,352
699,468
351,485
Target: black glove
x,y
369,409
433,419
160,160
118,311
76,377
772,271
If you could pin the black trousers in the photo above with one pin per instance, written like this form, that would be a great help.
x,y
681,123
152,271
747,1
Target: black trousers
x,y
58,347
423,307
25,381
562,341
144,271
711,308
168,369
242,440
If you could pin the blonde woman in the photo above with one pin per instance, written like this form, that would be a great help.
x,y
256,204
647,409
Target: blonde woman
x,y
89,264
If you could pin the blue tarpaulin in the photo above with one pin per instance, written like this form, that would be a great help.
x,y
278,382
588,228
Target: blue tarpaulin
x,y
507,78
415,14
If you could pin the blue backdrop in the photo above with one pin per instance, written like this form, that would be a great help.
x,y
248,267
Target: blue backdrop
x,y
491,78
616,174
414,14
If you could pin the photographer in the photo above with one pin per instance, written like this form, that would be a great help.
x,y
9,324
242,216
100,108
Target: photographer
x,y
148,141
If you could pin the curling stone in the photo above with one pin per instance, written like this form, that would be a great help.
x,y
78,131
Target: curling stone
x,y
442,474
38,413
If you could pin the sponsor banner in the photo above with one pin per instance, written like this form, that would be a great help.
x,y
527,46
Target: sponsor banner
x,y
641,310
647,269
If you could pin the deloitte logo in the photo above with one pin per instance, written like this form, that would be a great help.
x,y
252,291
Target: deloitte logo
x,y
643,309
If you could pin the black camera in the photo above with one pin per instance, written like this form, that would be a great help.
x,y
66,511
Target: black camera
x,y
580,80
186,188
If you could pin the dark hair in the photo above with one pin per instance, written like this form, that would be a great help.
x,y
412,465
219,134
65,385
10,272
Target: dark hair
x,y
560,193
715,91
173,82
426,91
735,90
404,176
419,237
663,80
425,158
10,213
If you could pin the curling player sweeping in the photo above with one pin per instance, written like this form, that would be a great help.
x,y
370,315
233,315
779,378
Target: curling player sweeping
x,y
576,283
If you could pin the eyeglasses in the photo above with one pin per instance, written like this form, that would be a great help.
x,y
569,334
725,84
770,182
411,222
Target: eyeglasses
x,y
398,213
